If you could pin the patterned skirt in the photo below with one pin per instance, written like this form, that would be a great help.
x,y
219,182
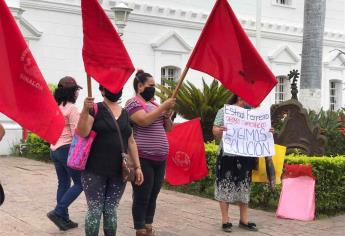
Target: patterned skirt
x,y
233,178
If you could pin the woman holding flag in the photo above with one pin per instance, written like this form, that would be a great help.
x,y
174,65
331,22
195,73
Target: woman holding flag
x,y
102,178
2,132
233,176
150,122
2,194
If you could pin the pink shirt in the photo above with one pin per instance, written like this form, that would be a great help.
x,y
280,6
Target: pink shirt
x,y
71,114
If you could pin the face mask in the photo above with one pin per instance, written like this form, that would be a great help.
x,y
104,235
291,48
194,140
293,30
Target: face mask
x,y
148,93
247,107
113,97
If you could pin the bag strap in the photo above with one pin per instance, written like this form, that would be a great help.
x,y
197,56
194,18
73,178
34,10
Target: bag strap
x,y
117,127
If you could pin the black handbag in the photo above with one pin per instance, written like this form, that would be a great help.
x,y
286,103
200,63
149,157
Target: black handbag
x,y
128,172
2,195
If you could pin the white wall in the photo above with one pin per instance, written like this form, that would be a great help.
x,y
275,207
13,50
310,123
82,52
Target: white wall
x,y
58,49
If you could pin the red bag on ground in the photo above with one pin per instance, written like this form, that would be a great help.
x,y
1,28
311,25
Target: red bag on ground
x,y
296,170
187,159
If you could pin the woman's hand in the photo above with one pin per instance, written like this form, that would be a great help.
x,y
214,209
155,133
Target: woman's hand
x,y
88,104
168,104
218,131
168,114
272,130
139,177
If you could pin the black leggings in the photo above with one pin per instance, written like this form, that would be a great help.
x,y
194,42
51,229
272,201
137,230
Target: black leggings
x,y
103,195
145,196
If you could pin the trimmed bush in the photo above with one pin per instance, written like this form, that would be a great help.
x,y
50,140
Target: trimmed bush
x,y
330,183
37,148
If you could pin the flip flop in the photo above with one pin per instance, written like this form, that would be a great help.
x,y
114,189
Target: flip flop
x,y
250,226
227,227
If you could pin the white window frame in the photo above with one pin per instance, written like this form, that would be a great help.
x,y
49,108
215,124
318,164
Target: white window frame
x,y
282,89
335,95
284,3
171,73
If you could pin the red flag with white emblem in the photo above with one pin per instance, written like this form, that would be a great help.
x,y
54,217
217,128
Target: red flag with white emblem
x,y
25,96
186,161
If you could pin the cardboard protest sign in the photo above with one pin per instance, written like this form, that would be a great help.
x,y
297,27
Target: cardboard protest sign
x,y
247,132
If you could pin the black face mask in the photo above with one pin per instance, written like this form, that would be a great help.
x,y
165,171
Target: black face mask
x,y
113,97
148,93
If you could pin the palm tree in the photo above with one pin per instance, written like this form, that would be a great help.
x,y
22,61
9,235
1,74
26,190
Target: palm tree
x,y
193,102
311,71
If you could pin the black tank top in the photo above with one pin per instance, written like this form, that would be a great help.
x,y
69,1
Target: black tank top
x,y
105,154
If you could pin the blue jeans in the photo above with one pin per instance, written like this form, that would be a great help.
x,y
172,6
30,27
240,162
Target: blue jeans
x,y
65,193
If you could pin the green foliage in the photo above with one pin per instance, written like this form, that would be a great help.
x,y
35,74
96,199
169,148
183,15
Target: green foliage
x,y
330,183
37,148
330,122
193,102
52,87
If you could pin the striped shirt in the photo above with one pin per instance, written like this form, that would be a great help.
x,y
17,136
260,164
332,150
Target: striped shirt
x,y
152,141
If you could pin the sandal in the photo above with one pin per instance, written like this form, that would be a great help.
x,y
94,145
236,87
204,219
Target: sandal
x,y
250,226
150,232
227,227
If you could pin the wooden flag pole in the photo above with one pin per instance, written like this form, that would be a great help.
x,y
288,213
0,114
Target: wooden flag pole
x,y
89,88
180,81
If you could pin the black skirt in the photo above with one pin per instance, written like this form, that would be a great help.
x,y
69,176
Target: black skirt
x,y
233,178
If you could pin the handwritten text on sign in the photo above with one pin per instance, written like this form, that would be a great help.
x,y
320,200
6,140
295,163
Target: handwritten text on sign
x,y
247,132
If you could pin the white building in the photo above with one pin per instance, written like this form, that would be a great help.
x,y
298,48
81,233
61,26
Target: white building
x,y
161,34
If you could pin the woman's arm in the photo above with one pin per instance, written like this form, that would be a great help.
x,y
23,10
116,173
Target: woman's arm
x,y
168,124
86,120
218,131
133,152
143,118
2,132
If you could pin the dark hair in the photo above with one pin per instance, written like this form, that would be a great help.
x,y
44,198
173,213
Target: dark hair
x,y
233,99
140,77
64,95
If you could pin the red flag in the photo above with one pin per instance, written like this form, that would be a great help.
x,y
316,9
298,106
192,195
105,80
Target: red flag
x,y
105,56
25,96
225,52
187,159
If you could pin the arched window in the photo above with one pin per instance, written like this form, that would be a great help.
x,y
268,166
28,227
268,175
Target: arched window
x,y
335,93
171,73
282,88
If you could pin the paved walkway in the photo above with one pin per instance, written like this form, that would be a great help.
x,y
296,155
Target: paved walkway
x,y
30,191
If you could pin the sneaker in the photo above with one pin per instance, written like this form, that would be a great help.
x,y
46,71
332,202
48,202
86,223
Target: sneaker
x,y
227,227
57,220
70,224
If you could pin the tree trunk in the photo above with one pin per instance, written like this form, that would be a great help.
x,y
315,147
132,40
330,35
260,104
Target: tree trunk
x,y
311,71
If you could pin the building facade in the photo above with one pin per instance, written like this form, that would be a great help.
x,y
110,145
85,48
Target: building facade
x,y
160,35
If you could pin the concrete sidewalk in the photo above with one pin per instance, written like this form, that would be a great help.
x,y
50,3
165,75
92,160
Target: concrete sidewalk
x,y
30,188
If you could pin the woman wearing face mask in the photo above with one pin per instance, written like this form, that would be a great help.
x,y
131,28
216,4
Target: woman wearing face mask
x,y
233,175
65,95
102,179
150,121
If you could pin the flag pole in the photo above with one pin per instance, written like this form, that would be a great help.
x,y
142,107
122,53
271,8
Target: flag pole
x,y
89,88
180,81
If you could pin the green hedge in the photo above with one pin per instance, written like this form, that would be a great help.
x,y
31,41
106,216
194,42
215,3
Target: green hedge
x,y
37,148
330,183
